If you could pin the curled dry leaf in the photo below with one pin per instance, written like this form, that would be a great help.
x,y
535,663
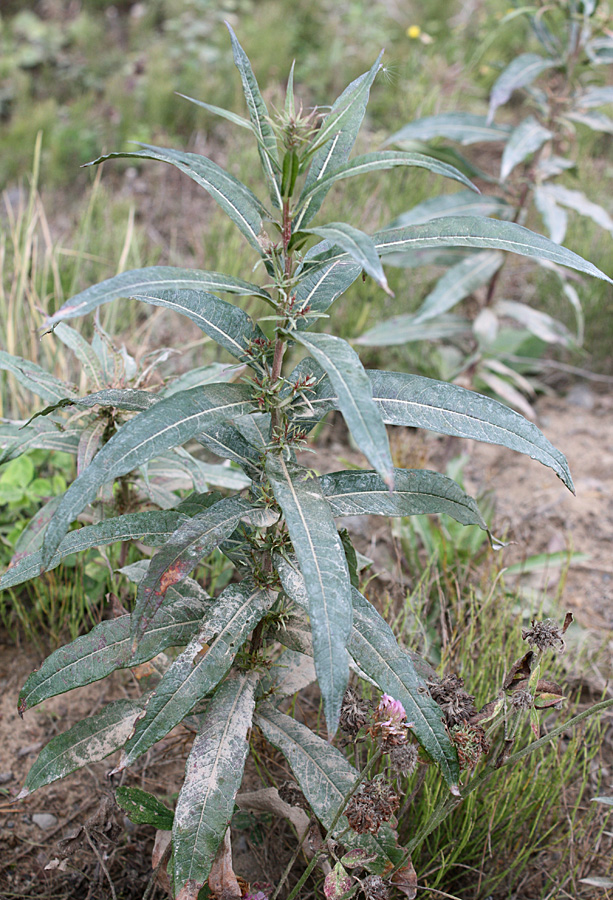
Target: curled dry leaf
x,y
222,880
160,857
405,879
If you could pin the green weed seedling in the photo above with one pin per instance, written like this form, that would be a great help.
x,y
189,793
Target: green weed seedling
x,y
493,347
293,613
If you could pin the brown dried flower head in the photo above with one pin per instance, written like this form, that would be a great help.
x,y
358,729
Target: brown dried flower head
x,y
355,712
471,744
403,759
522,700
375,888
456,703
545,635
390,724
291,794
372,804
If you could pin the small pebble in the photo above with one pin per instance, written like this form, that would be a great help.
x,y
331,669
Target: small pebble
x,y
44,820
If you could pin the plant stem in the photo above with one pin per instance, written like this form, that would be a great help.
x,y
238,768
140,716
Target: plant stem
x,y
339,812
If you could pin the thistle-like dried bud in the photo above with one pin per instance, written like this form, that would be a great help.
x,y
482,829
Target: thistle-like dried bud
x,y
290,793
456,703
403,759
355,712
390,724
522,700
545,635
372,804
471,744
375,888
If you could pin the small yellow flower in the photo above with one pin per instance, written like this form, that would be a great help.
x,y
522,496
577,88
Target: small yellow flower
x,y
413,31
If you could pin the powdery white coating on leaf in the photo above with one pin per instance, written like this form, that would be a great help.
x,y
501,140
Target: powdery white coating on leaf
x,y
86,742
213,774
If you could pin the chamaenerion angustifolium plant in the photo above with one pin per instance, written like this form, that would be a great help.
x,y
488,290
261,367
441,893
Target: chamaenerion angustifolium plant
x,y
564,89
295,575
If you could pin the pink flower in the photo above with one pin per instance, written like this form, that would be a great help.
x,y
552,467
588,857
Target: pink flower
x,y
391,721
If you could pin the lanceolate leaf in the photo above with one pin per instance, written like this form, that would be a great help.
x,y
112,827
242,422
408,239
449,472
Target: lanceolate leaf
x,y
172,422
465,128
143,808
375,649
579,202
89,443
318,290
325,777
258,113
358,245
235,199
554,217
386,159
220,111
213,774
595,120
42,434
85,354
524,140
337,136
447,409
476,231
151,528
416,491
324,567
34,378
87,742
354,393
225,323
519,73
152,279
201,666
459,282
462,203
181,554
107,646
404,329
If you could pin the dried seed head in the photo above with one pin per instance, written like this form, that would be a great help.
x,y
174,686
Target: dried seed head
x,y
290,793
403,759
375,888
545,635
471,744
522,700
372,804
355,712
456,703
390,724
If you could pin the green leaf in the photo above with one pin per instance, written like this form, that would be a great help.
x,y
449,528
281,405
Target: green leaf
x,y
595,96
386,159
143,808
16,438
213,775
236,200
465,128
335,139
220,111
477,231
107,646
118,398
536,322
354,393
597,121
459,282
90,442
387,333
325,777
84,352
317,291
260,119
358,245
181,553
375,649
151,279
201,666
225,323
34,378
554,217
416,491
87,742
527,138
447,409
292,671
462,203
519,73
324,567
170,423
151,528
